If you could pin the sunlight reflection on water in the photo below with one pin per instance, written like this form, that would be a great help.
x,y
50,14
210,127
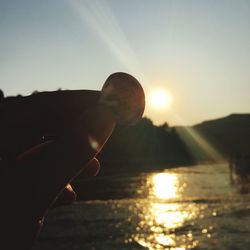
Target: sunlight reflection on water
x,y
184,208
162,217
164,185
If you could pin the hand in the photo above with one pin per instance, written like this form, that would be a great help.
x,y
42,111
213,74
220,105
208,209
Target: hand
x,y
36,171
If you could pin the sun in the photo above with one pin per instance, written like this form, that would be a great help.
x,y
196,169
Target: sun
x,y
160,99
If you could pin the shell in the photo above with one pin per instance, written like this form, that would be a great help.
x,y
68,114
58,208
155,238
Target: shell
x,y
123,94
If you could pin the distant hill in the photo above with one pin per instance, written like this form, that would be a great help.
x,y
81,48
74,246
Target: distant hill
x,y
231,134
147,146
218,139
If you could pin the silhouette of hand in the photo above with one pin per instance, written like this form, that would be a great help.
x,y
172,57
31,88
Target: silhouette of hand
x,y
47,139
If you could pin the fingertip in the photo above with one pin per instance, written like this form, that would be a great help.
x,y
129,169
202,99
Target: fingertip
x,y
66,197
92,169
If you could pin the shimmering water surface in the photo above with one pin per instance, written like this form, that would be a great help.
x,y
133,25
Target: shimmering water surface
x,y
184,208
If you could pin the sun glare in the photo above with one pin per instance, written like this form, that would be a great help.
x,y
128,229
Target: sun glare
x,y
160,99
165,185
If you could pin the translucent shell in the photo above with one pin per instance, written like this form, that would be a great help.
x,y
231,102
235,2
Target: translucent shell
x,y
123,94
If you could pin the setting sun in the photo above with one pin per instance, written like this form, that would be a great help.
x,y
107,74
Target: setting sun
x,y
160,99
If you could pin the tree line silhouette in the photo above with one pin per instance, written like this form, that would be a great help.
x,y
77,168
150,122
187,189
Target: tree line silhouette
x,y
146,146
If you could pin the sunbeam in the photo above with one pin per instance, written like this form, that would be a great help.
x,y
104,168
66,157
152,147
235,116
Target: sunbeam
x,y
198,146
98,15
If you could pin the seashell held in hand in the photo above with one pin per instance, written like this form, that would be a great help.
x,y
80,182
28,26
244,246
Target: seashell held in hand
x,y
123,94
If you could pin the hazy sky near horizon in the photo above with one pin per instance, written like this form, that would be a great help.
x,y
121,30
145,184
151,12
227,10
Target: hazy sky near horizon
x,y
198,50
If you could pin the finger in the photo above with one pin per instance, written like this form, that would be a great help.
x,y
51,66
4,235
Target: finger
x,y
66,197
92,169
33,152
47,112
63,159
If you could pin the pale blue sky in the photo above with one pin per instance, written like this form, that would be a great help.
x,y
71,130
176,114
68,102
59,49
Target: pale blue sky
x,y
198,50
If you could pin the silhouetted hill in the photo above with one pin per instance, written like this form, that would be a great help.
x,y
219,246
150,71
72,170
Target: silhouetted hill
x,y
218,139
230,135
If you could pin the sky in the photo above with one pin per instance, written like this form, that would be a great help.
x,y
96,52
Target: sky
x,y
197,50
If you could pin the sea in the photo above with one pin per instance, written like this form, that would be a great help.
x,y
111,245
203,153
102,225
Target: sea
x,y
194,207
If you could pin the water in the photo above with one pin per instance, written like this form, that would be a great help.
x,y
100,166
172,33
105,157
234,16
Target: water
x,y
184,208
